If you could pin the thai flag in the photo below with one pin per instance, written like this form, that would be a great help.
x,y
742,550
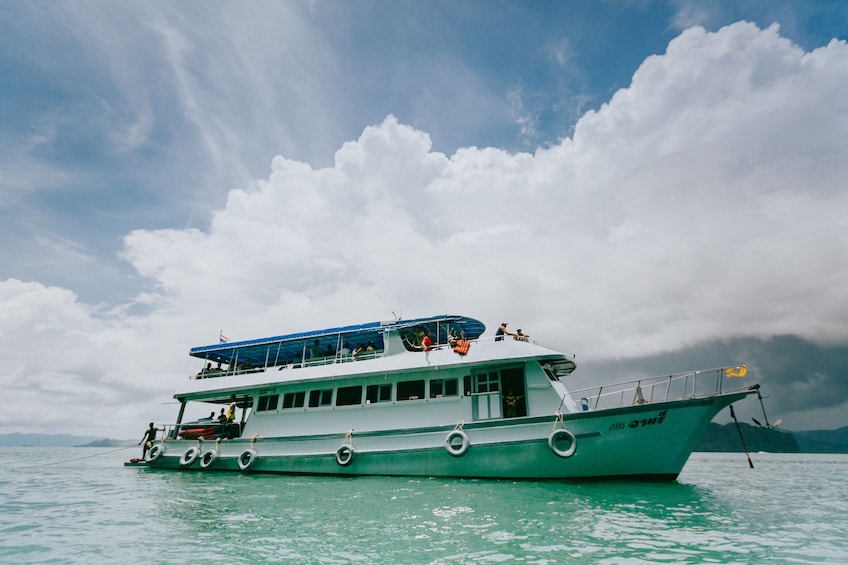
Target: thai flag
x,y
222,338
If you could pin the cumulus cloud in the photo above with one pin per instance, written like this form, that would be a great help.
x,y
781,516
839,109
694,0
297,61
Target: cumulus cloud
x,y
677,209
703,202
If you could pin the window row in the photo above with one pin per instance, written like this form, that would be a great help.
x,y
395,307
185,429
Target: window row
x,y
352,395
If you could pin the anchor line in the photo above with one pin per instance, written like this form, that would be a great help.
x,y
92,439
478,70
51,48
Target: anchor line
x,y
741,439
76,458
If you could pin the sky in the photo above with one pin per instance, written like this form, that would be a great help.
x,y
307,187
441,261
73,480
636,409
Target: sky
x,y
652,186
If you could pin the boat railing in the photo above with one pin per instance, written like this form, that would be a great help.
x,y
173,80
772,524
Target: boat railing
x,y
691,384
311,362
337,358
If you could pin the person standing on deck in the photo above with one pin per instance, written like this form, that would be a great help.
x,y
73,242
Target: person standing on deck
x,y
426,342
502,331
452,338
231,411
148,439
511,402
417,336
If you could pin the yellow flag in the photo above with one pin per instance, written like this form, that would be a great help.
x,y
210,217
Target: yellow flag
x,y
736,371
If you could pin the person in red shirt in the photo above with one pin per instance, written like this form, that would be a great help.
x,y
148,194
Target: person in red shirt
x,y
426,343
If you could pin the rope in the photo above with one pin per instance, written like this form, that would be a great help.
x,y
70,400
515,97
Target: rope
x,y
77,459
558,420
742,439
459,424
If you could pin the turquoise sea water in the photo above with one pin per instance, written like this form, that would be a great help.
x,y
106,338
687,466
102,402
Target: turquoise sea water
x,y
788,509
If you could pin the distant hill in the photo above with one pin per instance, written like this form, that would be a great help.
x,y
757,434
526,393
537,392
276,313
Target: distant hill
x,y
823,441
45,440
726,438
111,443
60,440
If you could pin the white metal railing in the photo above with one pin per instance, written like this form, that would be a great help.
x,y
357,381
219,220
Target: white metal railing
x,y
692,384
338,358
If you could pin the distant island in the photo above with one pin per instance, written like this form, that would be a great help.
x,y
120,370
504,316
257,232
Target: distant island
x,y
717,438
60,440
725,438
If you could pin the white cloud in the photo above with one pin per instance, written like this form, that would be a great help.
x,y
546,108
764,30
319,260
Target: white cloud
x,y
704,201
673,214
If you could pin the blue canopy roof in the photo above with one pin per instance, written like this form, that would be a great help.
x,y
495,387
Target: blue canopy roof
x,y
287,348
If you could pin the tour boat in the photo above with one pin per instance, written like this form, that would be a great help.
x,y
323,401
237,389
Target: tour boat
x,y
431,397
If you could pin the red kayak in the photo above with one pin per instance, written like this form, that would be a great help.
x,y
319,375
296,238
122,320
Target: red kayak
x,y
206,430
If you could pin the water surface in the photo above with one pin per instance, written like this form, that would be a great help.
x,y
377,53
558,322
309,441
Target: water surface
x,y
80,505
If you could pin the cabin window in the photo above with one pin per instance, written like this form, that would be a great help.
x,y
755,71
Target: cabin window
x,y
487,382
320,398
410,390
444,387
349,396
378,393
268,402
293,400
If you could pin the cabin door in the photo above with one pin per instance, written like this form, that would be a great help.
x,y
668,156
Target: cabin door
x,y
514,393
486,396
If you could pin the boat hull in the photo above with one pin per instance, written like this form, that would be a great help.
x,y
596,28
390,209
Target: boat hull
x,y
647,441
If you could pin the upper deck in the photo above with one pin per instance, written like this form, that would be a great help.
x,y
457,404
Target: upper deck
x,y
331,354
327,345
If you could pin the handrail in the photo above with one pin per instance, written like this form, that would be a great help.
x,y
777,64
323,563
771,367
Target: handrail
x,y
691,384
332,359
326,360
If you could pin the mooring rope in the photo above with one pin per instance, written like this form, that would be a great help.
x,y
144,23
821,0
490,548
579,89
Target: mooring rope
x,y
558,420
76,458
742,439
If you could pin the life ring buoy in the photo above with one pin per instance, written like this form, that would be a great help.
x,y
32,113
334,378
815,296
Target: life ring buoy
x,y
345,455
208,459
457,450
559,435
247,458
155,453
189,457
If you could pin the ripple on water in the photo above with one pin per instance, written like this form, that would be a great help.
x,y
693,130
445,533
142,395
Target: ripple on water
x,y
788,508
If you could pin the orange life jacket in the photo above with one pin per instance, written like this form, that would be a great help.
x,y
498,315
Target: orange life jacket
x,y
462,347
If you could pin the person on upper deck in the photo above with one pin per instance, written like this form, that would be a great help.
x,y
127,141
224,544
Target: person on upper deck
x,y
417,336
357,350
452,338
315,351
426,342
519,336
502,331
